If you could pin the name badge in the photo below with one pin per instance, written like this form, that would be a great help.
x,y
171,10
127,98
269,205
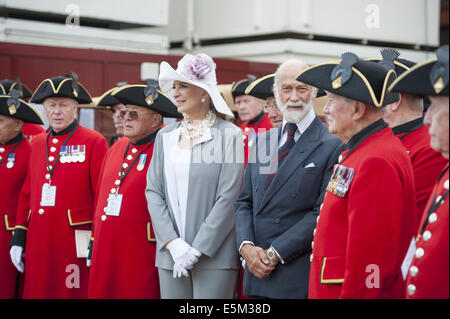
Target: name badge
x,y
408,258
114,204
48,197
82,238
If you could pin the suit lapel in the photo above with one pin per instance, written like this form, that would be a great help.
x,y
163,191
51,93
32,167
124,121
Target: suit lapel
x,y
306,144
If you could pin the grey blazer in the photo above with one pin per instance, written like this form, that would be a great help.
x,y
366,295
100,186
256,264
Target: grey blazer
x,y
215,180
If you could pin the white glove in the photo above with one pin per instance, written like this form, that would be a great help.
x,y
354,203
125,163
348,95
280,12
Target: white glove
x,y
181,252
16,257
184,257
179,271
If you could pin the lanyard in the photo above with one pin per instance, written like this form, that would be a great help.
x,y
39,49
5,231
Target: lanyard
x,y
122,174
434,204
59,154
12,150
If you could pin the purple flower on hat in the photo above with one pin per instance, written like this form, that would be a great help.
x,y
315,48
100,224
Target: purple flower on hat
x,y
198,67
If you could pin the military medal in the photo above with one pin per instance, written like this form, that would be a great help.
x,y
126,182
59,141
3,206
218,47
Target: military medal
x,y
11,160
63,154
142,160
340,180
70,157
82,154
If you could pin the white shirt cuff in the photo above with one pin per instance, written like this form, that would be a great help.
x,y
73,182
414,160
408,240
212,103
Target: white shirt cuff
x,y
278,255
245,242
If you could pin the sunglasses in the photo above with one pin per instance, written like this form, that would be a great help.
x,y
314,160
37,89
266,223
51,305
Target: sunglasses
x,y
132,115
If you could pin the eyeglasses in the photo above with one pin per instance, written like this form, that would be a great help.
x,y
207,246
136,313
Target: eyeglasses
x,y
133,115
272,105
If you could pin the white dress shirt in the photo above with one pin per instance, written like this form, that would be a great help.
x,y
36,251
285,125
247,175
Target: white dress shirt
x,y
179,160
302,126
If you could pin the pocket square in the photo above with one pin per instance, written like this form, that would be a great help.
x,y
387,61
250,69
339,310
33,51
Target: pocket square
x,y
310,165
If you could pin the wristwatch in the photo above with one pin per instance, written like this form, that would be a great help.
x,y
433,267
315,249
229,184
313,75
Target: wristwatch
x,y
272,254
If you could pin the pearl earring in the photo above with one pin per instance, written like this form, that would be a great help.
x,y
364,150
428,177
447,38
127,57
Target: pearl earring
x,y
203,100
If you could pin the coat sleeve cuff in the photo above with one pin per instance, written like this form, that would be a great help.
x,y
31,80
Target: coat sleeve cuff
x,y
19,237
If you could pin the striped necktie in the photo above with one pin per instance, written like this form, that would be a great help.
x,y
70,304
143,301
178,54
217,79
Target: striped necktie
x,y
284,150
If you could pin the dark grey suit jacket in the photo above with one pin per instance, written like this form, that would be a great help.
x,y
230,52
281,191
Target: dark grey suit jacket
x,y
285,215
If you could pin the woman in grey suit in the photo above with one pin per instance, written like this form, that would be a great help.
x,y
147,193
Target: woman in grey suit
x,y
194,178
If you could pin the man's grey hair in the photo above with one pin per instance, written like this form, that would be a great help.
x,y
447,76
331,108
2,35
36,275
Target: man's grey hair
x,y
291,63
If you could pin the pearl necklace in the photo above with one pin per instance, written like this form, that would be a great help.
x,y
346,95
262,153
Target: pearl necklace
x,y
188,129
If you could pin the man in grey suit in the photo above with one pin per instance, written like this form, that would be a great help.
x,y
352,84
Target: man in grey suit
x,y
279,204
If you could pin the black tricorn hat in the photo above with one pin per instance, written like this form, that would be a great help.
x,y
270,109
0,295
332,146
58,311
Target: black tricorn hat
x,y
390,60
107,100
147,96
12,105
6,86
426,78
261,88
238,88
353,78
62,86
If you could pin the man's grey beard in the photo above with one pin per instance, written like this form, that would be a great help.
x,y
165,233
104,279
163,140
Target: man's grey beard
x,y
294,116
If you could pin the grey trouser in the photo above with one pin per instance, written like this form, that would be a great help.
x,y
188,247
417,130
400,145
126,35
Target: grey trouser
x,y
201,284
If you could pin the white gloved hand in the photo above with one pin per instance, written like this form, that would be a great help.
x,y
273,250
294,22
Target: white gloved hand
x,y
184,257
179,271
16,257
181,252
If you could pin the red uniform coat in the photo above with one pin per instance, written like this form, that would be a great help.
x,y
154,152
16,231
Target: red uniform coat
x,y
427,163
428,277
260,124
52,269
12,180
123,255
361,238
31,130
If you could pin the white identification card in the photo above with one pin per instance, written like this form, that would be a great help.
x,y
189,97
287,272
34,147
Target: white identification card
x,y
114,204
408,258
82,238
48,197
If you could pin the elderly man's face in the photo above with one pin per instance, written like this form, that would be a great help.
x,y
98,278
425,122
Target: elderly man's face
x,y
139,122
117,119
437,118
60,112
295,99
273,112
248,107
9,128
339,111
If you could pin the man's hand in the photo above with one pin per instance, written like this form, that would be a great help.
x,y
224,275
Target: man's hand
x,y
257,261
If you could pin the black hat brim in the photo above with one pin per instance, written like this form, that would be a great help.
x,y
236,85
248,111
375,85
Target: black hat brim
x,y
24,111
401,65
368,84
239,88
417,81
134,95
261,88
6,86
107,100
60,87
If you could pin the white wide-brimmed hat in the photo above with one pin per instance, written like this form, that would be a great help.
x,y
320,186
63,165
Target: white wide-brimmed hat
x,y
198,70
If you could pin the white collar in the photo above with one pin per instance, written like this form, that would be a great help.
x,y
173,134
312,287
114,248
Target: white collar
x,y
303,124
